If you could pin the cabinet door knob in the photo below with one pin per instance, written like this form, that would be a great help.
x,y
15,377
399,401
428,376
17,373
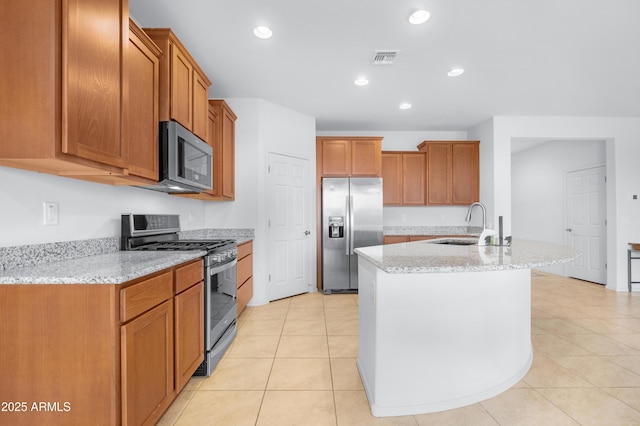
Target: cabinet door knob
x,y
569,229
307,232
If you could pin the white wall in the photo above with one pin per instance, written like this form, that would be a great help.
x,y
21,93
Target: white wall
x,y
86,209
261,128
90,210
417,215
484,133
623,174
538,188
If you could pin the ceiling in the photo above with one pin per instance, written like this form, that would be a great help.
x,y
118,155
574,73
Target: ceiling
x,y
543,57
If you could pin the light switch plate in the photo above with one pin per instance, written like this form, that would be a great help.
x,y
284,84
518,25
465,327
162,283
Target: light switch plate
x,y
50,213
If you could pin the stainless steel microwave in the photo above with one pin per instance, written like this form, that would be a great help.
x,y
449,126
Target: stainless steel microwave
x,y
185,161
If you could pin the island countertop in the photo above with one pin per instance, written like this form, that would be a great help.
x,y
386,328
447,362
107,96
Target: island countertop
x,y
443,326
430,257
110,268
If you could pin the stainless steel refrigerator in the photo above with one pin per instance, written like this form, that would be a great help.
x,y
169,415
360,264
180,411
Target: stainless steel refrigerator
x,y
351,218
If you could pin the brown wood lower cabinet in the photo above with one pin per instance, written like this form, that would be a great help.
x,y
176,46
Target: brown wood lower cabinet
x,y
189,333
147,365
394,239
100,354
245,275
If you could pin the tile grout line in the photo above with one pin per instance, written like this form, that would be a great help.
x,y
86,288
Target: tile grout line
x,y
273,360
333,390
596,310
555,405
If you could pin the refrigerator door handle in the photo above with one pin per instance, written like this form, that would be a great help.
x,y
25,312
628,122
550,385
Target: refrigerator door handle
x,y
347,219
351,243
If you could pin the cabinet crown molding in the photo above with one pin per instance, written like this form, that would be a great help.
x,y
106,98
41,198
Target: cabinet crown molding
x,y
173,38
426,142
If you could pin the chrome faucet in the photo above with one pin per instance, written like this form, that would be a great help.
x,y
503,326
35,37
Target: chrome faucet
x,y
484,214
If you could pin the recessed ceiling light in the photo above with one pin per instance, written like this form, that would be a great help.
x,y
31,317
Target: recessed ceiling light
x,y
362,81
419,17
262,32
455,72
404,105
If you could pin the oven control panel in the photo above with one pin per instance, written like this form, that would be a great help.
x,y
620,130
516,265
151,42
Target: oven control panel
x,y
223,256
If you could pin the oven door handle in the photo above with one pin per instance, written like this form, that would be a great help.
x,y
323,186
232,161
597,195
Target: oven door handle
x,y
224,267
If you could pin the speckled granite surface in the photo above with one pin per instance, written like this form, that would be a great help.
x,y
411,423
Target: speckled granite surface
x,y
110,268
241,235
426,257
37,254
432,230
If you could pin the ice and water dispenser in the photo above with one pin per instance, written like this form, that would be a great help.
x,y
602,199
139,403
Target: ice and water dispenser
x,y
336,226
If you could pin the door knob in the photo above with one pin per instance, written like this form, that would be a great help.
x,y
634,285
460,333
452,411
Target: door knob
x,y
307,232
569,229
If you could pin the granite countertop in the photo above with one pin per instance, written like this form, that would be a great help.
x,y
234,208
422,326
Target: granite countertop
x,y
97,261
240,235
110,268
428,257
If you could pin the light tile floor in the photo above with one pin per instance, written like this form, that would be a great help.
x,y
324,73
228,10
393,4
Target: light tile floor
x,y
293,363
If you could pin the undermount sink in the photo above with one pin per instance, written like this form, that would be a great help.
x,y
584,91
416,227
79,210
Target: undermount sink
x,y
455,242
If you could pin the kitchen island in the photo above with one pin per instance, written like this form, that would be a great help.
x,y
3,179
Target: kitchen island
x,y
443,326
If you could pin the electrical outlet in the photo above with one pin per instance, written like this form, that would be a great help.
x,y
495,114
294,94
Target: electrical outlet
x,y
50,216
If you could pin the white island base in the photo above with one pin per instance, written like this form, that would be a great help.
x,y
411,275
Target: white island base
x,y
436,341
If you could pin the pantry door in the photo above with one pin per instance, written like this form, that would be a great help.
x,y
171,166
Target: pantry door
x,y
586,223
290,240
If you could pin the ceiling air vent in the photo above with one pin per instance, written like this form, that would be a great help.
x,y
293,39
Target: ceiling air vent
x,y
384,57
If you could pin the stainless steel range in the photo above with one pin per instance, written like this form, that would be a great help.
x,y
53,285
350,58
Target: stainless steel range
x,y
160,232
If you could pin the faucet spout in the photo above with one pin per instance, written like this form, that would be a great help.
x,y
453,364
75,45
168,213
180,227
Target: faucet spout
x,y
484,214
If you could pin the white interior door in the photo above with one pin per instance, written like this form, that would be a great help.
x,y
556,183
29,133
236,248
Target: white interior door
x,y
586,223
290,243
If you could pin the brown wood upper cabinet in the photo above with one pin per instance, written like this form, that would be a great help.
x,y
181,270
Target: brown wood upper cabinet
x,y
453,172
183,85
350,156
403,178
141,107
65,80
221,131
223,142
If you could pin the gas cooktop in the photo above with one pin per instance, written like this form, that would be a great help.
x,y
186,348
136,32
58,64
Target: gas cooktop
x,y
152,232
208,245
